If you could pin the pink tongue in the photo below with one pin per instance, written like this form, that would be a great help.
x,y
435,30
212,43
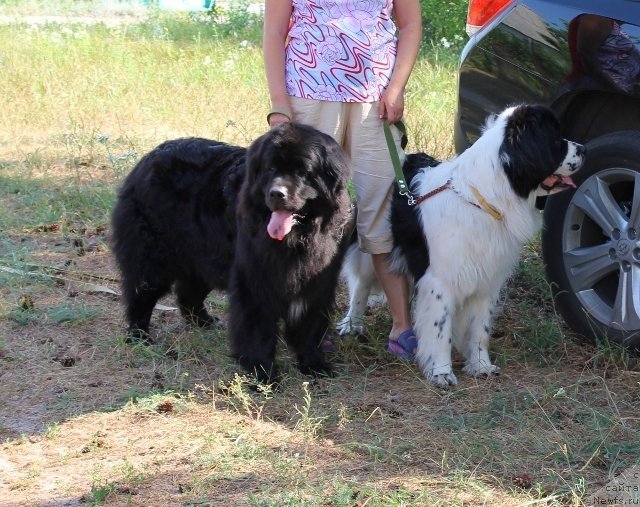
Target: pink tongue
x,y
553,180
280,224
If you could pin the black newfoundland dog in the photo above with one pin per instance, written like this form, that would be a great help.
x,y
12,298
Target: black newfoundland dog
x,y
270,224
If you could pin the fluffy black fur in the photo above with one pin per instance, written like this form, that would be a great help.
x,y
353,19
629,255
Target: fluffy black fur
x,y
405,224
532,148
193,215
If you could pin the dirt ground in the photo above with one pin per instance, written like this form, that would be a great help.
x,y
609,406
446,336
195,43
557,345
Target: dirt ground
x,y
87,419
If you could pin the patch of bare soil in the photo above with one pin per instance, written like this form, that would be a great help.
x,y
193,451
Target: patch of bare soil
x,y
86,418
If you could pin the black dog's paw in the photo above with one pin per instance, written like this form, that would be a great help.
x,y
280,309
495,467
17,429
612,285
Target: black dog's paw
x,y
268,377
135,336
266,374
204,320
317,369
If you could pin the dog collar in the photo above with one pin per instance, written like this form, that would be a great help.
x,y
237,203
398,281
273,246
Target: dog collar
x,y
482,204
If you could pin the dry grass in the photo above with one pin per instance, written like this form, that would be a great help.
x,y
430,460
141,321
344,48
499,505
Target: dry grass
x,y
86,419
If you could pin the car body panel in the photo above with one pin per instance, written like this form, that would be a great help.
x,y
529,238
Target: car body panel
x,y
582,59
524,56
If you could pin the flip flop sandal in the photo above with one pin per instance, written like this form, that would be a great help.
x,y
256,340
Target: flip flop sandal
x,y
405,346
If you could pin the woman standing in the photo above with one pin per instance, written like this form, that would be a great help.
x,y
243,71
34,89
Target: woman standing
x,y
342,67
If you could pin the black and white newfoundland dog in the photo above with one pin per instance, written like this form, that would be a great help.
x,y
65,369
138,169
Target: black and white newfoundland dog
x,y
270,224
463,238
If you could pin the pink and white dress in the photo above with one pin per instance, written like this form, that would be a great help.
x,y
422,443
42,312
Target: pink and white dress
x,y
340,50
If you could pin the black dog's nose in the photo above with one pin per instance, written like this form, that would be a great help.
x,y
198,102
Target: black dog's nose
x,y
277,194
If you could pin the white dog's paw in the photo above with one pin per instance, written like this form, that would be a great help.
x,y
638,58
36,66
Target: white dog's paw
x,y
443,380
441,376
437,372
481,369
349,326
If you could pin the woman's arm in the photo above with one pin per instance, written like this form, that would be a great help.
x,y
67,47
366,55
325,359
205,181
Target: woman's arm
x,y
409,23
277,15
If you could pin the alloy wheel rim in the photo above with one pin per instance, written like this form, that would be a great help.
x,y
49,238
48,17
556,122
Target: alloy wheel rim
x,y
601,247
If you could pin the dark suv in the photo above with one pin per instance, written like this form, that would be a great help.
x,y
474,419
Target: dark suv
x,y
583,60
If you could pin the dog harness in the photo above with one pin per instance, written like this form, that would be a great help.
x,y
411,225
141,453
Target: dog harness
x,y
482,203
403,187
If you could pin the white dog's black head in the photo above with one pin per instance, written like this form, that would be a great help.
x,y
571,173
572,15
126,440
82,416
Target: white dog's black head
x,y
535,156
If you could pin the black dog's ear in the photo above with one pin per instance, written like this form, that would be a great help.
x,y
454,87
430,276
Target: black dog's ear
x,y
530,118
335,163
257,154
532,148
518,122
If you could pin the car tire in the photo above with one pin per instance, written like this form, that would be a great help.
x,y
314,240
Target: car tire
x,y
591,243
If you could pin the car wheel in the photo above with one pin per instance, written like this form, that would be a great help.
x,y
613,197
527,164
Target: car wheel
x,y
591,242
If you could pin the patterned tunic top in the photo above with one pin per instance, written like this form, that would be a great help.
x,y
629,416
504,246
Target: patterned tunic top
x,y
340,50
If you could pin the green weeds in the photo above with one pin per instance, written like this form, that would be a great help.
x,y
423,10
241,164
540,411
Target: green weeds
x,y
81,105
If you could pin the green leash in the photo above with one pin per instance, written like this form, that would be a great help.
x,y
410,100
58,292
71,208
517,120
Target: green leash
x,y
403,188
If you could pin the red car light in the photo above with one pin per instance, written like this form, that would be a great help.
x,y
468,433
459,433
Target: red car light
x,y
482,11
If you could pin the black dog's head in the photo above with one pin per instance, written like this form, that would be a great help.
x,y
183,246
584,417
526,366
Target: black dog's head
x,y
298,173
535,156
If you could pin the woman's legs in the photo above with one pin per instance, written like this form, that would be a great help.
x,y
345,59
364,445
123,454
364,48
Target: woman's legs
x,y
396,288
358,129
373,177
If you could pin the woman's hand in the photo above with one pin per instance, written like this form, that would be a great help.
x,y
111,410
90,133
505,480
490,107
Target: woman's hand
x,y
392,104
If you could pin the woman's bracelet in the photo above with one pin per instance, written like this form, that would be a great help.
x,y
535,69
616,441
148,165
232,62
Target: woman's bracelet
x,y
276,110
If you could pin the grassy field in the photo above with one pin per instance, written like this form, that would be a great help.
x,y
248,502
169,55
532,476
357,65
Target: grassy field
x,y
86,419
